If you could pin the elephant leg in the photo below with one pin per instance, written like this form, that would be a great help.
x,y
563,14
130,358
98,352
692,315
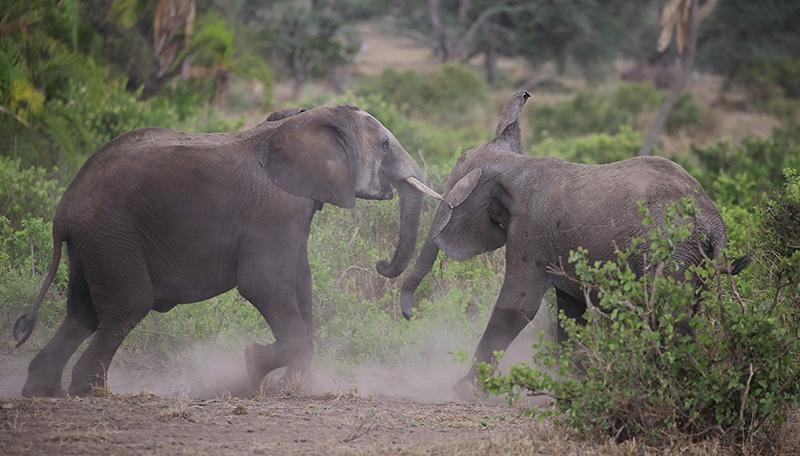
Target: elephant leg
x,y
121,302
46,369
272,289
304,305
572,307
304,292
517,304
292,346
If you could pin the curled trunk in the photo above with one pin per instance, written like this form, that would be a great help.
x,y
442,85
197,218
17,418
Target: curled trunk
x,y
410,210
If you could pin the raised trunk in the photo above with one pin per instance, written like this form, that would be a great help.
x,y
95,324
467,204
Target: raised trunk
x,y
421,268
410,210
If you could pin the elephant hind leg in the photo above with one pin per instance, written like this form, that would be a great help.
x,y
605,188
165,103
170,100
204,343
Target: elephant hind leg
x,y
121,302
46,369
572,307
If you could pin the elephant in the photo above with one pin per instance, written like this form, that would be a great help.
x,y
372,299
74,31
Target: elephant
x,y
157,218
541,208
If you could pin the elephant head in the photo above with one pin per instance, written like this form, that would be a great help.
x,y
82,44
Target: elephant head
x,y
335,154
473,216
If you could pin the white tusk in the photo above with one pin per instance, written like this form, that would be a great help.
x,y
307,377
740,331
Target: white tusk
x,y
422,187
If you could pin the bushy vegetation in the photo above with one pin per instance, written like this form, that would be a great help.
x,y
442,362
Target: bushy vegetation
x,y
741,174
448,94
591,112
596,148
772,84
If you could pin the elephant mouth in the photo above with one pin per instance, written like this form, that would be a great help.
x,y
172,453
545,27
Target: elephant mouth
x,y
387,192
378,195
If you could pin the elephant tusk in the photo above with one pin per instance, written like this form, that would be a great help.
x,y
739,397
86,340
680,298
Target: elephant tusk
x,y
422,187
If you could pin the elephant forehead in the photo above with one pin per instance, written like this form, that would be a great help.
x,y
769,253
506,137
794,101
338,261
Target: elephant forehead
x,y
370,119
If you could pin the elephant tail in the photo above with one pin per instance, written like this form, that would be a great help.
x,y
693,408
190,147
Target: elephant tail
x,y
24,325
715,249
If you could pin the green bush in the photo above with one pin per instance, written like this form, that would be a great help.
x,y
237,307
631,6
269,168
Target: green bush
x,y
26,193
769,77
631,371
597,148
772,85
448,94
742,174
593,112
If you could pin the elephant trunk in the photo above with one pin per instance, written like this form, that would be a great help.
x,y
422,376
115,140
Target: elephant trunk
x,y
421,268
410,211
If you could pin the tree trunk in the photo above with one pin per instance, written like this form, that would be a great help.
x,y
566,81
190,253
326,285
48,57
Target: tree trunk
x,y
220,99
439,31
490,52
679,84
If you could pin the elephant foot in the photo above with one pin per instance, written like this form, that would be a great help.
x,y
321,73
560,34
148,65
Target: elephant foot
x,y
298,380
34,390
467,389
255,357
94,387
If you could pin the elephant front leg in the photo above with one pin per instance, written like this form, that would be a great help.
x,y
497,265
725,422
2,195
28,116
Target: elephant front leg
x,y
516,306
274,294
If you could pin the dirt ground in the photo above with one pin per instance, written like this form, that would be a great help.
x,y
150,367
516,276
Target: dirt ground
x,y
277,424
287,423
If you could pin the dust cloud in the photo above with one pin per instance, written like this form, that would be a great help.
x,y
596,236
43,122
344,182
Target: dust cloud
x,y
218,369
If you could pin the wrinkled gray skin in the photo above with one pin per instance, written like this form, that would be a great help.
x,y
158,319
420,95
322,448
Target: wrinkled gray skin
x,y
158,218
540,209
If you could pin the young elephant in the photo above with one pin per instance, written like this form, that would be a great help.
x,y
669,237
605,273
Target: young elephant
x,y
157,218
541,209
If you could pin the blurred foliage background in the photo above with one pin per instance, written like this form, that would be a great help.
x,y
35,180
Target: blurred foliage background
x,y
75,74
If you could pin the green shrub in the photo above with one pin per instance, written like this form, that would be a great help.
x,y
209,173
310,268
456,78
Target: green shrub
x,y
632,372
742,174
686,114
597,148
586,113
769,77
772,85
447,94
26,193
593,112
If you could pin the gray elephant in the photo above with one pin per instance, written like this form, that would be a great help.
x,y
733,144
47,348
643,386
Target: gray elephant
x,y
540,209
157,218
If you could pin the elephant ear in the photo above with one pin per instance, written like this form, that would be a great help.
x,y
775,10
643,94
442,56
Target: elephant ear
x,y
508,129
310,159
470,211
462,189
457,195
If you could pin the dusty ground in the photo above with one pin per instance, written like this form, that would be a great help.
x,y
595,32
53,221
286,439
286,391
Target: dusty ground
x,y
278,424
292,424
